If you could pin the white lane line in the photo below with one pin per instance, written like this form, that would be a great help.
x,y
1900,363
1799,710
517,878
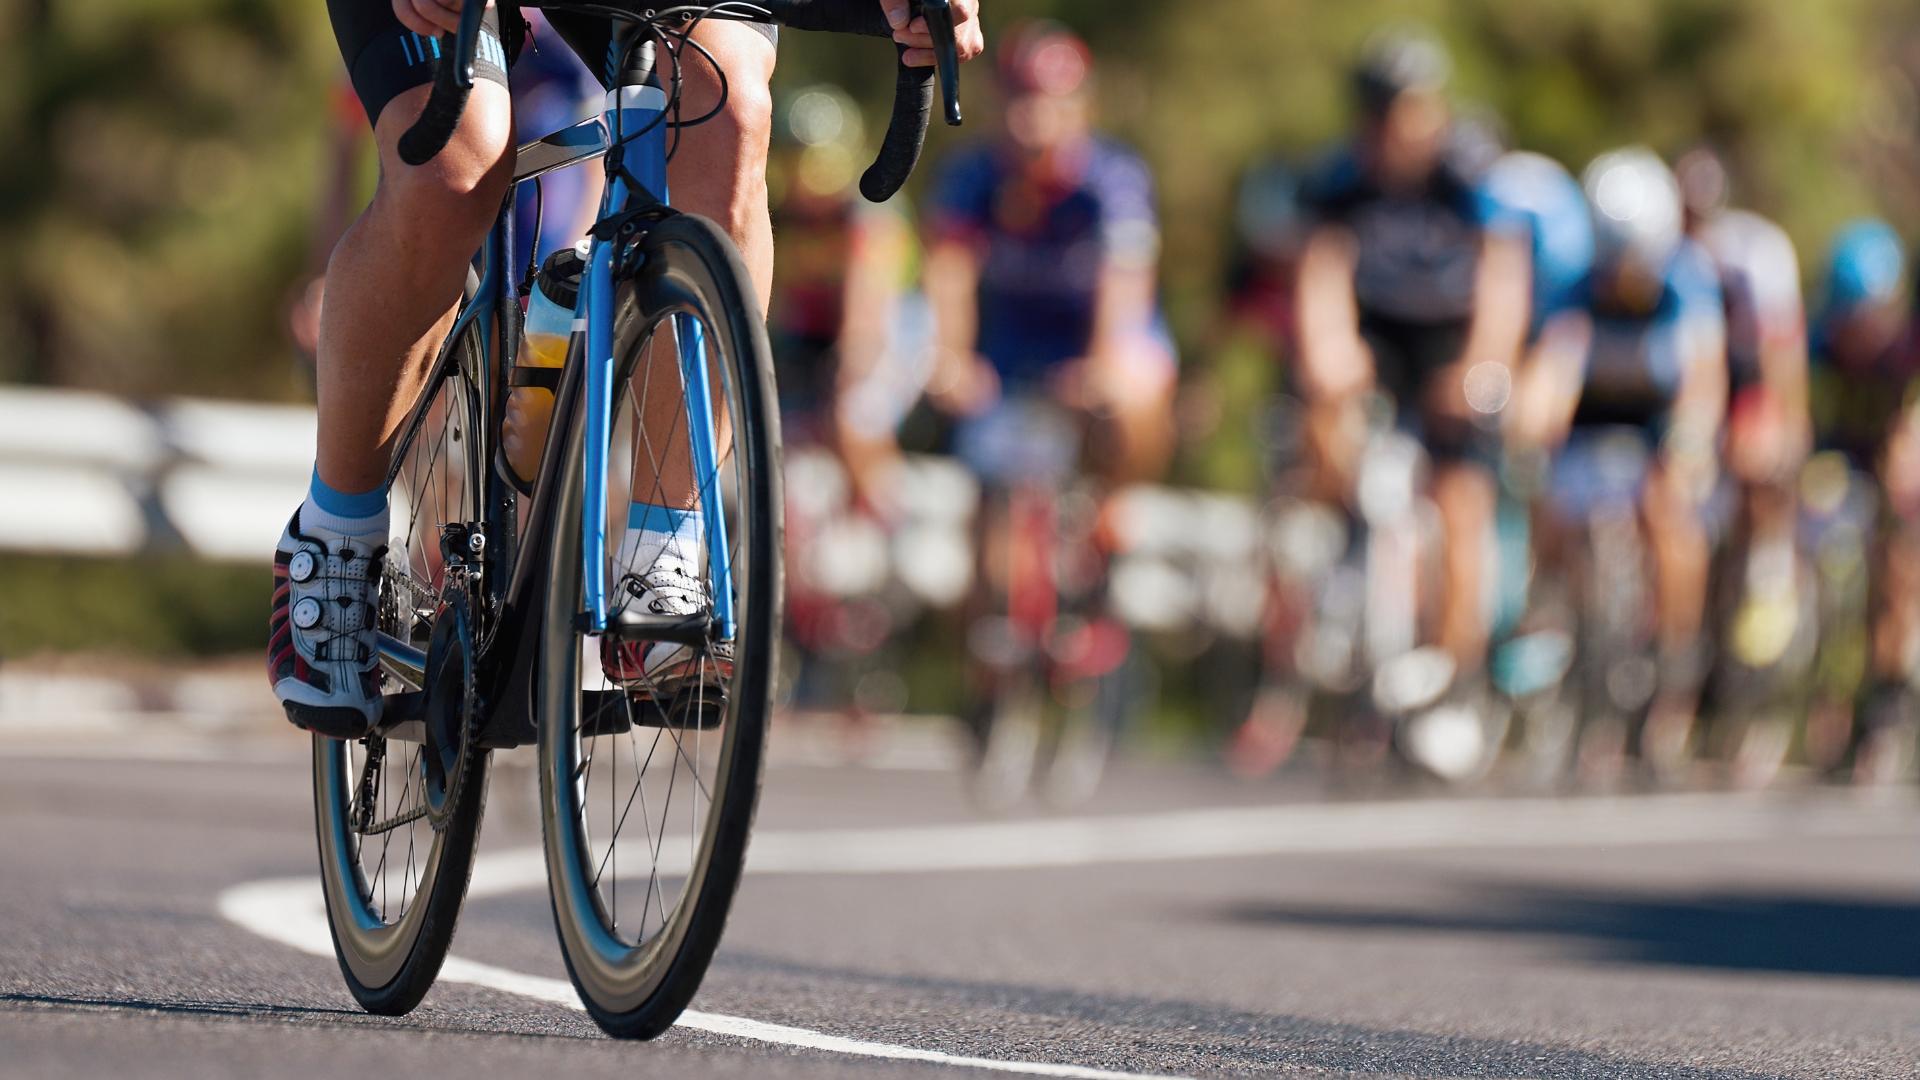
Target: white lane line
x,y
1280,830
290,911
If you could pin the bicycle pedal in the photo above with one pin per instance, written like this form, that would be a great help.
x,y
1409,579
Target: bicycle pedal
x,y
615,712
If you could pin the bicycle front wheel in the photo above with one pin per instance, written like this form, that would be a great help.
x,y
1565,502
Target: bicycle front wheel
x,y
650,770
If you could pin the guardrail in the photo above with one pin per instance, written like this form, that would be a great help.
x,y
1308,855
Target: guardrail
x,y
91,474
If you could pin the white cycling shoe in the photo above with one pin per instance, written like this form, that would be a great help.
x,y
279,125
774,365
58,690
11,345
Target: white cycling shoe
x,y
321,655
662,670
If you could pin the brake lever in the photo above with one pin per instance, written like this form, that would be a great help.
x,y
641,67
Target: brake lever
x,y
946,55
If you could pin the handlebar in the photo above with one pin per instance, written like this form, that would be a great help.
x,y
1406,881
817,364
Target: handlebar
x,y
452,84
913,87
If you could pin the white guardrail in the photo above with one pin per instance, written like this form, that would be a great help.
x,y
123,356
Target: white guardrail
x,y
91,474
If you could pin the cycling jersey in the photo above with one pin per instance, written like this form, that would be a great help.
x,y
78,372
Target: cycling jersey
x,y
1637,360
1537,191
1043,247
1418,252
1760,284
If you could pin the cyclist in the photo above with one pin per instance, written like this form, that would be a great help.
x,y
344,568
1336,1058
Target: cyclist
x,y
1655,361
1042,260
1864,368
1769,427
1411,283
1539,191
397,273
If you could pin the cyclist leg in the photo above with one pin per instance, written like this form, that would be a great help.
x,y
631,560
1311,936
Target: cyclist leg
x,y
1132,399
1463,492
392,282
1680,557
398,270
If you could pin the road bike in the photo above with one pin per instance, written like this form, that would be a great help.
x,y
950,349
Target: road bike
x,y
1056,678
495,627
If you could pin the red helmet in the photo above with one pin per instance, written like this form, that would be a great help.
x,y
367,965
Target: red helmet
x,y
1043,57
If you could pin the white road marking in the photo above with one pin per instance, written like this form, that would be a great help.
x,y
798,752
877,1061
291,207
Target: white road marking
x,y
290,910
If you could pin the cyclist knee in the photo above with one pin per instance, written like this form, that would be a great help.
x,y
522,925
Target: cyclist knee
x,y
724,160
457,193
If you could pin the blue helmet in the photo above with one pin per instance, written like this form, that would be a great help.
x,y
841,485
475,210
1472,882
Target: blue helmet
x,y
1866,266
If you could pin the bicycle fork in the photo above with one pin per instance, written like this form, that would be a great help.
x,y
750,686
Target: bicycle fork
x,y
639,107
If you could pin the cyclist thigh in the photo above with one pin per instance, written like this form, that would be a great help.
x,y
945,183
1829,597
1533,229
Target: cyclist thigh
x,y
466,180
392,69
725,158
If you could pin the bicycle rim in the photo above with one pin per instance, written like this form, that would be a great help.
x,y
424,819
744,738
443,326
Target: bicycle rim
x,y
396,850
648,789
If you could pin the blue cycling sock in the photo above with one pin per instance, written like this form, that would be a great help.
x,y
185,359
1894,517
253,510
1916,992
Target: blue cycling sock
x,y
655,531
331,514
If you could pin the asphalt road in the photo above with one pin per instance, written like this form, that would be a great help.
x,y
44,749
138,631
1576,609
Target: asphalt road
x,y
1677,937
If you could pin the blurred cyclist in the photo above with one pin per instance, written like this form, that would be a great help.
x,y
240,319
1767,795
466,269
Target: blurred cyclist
x,y
1405,286
1656,362
1863,396
1042,264
1559,224
1769,428
837,292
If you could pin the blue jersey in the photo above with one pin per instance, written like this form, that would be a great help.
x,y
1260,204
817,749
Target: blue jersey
x,y
1638,359
1538,194
1044,246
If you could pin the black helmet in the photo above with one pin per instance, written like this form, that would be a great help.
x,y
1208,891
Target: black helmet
x,y
1399,61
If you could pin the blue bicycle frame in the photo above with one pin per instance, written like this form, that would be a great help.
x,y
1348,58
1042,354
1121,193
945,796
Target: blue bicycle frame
x,y
641,110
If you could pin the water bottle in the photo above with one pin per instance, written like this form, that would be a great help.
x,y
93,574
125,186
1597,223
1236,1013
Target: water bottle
x,y
543,345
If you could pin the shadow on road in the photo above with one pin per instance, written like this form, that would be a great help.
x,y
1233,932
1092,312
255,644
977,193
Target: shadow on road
x,y
1744,931
428,1020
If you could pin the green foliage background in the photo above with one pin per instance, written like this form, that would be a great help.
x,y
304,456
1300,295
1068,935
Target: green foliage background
x,y
162,157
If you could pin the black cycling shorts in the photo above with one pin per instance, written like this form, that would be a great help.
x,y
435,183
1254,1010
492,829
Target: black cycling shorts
x,y
1406,357
385,59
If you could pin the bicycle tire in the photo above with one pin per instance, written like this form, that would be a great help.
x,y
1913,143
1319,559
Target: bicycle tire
x,y
390,966
638,989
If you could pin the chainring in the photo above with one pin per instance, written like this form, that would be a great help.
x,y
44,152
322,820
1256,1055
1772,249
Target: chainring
x,y
452,669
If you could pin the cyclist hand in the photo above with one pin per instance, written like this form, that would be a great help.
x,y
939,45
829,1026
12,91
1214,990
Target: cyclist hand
x,y
1341,369
918,39
429,17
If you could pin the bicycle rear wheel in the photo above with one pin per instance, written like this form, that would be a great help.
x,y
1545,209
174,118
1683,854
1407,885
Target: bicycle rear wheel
x,y
397,813
647,791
